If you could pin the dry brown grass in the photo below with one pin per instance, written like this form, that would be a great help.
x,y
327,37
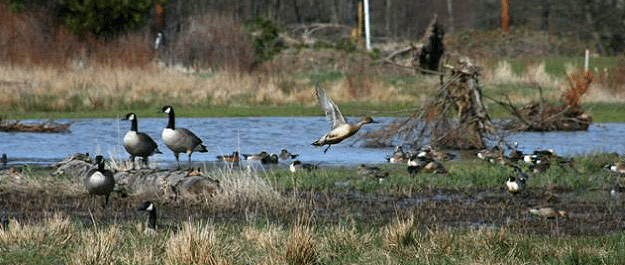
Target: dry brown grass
x,y
301,247
57,230
579,83
197,244
100,246
400,235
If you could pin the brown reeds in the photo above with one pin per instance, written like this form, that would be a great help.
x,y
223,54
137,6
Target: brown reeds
x,y
579,83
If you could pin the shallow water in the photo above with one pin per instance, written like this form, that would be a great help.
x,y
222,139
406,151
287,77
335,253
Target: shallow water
x,y
255,134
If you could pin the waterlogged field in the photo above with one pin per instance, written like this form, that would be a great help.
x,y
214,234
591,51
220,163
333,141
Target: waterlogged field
x,y
329,216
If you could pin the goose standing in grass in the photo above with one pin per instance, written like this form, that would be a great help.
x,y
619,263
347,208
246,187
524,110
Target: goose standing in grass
x,y
137,143
180,140
618,168
341,130
150,227
100,181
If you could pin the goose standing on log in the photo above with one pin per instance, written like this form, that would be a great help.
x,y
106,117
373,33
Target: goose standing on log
x,y
137,143
180,140
100,181
341,130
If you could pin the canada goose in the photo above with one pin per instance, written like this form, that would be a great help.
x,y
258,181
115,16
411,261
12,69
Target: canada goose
x,y
341,130
399,156
100,181
180,140
255,157
270,159
549,213
298,165
515,185
285,155
137,143
150,228
4,220
3,160
234,157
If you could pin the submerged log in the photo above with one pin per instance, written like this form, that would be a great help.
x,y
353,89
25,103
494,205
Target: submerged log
x,y
146,182
45,127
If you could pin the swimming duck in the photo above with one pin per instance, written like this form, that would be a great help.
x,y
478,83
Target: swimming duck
x,y
298,165
489,155
270,159
150,228
376,172
100,181
341,130
255,157
285,155
180,140
399,156
137,143
549,213
234,157
431,153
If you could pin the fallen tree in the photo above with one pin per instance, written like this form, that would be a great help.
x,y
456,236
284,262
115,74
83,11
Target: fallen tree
x,y
168,184
44,127
455,117
542,116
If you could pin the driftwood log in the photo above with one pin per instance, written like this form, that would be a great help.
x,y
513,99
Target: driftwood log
x,y
44,127
145,182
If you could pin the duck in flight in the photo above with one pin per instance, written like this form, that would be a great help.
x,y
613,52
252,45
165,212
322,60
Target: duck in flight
x,y
340,130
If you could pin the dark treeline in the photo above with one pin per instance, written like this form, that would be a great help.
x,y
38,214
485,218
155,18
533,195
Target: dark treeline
x,y
600,21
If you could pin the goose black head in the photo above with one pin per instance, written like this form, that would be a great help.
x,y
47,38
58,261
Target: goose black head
x,y
166,109
147,206
99,160
296,162
130,117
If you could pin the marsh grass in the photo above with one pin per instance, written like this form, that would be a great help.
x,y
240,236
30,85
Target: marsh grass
x,y
197,244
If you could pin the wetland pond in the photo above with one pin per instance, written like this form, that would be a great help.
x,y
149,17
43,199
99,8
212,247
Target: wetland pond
x,y
255,134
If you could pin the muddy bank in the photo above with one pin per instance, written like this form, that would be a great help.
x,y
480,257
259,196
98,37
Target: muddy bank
x,y
436,208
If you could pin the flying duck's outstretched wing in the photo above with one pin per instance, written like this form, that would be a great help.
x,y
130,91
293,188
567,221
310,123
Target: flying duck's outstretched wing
x,y
333,114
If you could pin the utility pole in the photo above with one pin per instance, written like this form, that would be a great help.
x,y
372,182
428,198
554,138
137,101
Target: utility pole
x,y
367,27
505,16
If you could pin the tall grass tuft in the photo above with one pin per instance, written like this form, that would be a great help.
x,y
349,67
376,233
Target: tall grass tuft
x,y
197,244
301,247
57,231
399,235
99,246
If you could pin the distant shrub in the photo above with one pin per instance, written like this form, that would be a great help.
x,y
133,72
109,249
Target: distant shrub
x,y
214,41
265,39
103,18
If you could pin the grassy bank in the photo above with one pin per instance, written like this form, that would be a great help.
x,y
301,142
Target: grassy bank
x,y
601,111
260,218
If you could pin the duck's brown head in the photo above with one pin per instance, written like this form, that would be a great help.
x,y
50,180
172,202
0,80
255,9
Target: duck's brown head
x,y
366,120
